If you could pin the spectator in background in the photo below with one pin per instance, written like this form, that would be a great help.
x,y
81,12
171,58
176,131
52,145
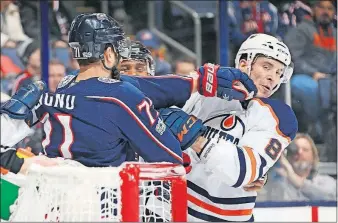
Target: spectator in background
x,y
149,40
11,28
290,14
59,15
8,67
249,17
9,71
313,46
31,58
62,52
184,65
57,71
299,179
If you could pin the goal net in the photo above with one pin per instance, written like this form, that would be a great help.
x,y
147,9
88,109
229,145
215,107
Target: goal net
x,y
136,192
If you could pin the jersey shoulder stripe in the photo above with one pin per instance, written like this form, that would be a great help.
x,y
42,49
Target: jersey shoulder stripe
x,y
287,124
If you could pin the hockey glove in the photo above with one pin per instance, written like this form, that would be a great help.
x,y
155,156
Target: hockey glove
x,y
186,128
225,82
20,104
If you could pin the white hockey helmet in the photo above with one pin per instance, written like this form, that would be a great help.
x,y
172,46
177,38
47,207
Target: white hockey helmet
x,y
269,46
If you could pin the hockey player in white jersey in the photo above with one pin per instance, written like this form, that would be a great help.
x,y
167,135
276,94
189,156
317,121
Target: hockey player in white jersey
x,y
243,138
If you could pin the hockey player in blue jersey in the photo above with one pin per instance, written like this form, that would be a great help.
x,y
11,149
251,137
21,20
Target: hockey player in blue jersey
x,y
99,120
140,63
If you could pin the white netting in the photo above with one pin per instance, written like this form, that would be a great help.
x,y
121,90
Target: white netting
x,y
76,193
58,194
155,201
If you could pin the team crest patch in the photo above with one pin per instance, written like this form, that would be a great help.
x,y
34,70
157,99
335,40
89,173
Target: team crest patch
x,y
160,127
66,80
107,80
229,122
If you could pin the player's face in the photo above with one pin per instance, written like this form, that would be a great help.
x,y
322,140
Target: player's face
x,y
134,67
56,73
266,74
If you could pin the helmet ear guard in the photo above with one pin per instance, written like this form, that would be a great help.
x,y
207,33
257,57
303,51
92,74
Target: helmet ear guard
x,y
287,73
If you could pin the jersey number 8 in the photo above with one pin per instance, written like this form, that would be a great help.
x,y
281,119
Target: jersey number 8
x,y
273,148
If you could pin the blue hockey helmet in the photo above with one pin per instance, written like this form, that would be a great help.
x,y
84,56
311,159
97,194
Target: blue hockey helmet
x,y
90,34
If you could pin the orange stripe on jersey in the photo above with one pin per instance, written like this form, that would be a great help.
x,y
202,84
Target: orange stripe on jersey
x,y
217,210
274,116
253,163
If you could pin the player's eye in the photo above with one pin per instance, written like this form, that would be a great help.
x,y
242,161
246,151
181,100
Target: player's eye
x,y
141,69
266,67
123,68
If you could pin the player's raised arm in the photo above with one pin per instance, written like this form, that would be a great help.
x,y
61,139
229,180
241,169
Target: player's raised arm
x,y
258,150
210,81
164,91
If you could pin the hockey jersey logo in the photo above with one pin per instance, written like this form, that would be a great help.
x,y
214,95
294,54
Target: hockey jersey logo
x,y
66,80
226,126
228,123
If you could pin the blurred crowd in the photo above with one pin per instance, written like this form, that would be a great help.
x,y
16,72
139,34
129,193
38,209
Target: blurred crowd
x,y
308,27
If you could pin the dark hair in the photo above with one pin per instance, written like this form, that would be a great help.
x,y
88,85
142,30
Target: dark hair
x,y
30,49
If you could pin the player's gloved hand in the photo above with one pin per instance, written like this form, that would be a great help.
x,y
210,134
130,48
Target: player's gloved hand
x,y
186,128
20,104
225,82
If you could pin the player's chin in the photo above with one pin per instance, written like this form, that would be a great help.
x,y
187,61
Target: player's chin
x,y
263,95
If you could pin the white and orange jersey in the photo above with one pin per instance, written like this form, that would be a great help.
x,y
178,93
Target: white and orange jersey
x,y
243,143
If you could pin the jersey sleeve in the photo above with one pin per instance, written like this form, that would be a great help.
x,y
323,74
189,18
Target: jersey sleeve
x,y
165,90
261,146
141,124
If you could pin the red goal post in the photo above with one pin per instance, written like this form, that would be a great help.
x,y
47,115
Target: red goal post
x,y
130,212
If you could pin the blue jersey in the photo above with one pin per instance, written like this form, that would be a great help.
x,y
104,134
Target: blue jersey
x,y
104,122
